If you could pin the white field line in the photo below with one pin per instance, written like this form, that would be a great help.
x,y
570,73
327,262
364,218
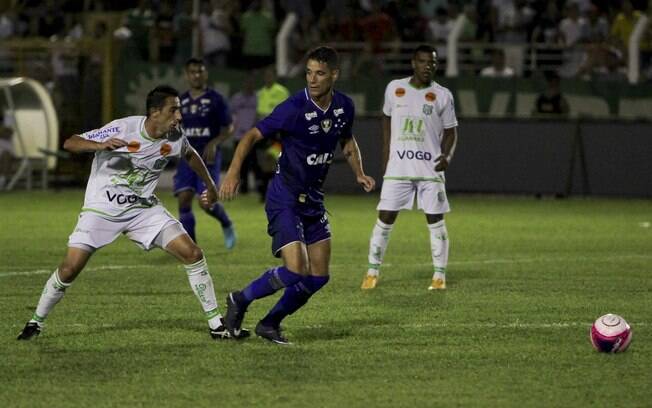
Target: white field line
x,y
432,325
4,274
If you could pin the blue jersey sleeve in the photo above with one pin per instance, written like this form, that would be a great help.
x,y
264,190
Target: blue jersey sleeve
x,y
278,120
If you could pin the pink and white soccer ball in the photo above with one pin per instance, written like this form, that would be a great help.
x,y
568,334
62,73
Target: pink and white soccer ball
x,y
611,334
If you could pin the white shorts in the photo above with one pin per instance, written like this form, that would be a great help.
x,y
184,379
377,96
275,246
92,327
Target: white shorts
x,y
399,195
142,226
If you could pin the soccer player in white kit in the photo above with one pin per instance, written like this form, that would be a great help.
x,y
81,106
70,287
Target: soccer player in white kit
x,y
421,116
130,154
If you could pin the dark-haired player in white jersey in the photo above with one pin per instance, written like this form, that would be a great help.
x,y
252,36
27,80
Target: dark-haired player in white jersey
x,y
419,136
130,154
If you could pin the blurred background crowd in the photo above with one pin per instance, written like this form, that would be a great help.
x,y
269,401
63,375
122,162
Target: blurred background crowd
x,y
579,38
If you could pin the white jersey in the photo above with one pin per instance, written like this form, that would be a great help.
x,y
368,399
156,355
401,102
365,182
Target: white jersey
x,y
124,179
418,120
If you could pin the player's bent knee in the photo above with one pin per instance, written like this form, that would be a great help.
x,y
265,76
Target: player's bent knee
x,y
194,254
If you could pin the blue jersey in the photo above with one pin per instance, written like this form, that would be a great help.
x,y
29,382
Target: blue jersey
x,y
203,117
309,136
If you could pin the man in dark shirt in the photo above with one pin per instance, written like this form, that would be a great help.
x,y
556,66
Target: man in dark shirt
x,y
311,123
551,101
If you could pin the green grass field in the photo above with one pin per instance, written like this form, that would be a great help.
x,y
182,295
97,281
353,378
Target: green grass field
x,y
526,279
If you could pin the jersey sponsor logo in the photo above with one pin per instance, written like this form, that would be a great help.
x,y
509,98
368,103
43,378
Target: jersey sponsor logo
x,y
427,109
313,129
339,111
205,101
430,96
311,115
412,129
399,92
103,133
165,149
323,158
326,125
121,198
133,146
197,132
414,155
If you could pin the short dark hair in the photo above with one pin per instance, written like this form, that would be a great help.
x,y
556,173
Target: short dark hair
x,y
326,55
194,61
157,96
425,48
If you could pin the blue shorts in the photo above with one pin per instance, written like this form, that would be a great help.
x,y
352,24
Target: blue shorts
x,y
290,220
186,179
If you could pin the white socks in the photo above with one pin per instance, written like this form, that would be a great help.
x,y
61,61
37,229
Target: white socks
x,y
378,245
202,284
52,293
439,245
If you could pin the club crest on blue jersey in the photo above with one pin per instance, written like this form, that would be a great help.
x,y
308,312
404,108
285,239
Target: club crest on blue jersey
x,y
326,125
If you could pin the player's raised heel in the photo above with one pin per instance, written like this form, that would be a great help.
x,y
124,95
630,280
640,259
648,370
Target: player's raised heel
x,y
30,331
222,333
272,334
437,283
369,282
234,314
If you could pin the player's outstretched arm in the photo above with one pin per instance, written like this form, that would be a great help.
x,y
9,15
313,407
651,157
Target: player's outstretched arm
x,y
352,154
77,144
448,143
230,183
196,163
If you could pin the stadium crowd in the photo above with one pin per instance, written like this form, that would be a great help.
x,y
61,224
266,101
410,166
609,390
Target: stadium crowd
x,y
579,38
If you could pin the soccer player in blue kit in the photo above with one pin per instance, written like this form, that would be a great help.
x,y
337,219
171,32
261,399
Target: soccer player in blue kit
x,y
311,123
207,124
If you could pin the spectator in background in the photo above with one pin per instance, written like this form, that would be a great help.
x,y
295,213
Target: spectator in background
x,y
623,25
551,102
269,96
258,31
138,23
570,36
595,30
604,64
184,24
216,30
498,68
376,28
164,38
546,32
439,28
243,109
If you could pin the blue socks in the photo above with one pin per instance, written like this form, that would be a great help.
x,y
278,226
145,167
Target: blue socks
x,y
218,212
187,219
294,298
269,282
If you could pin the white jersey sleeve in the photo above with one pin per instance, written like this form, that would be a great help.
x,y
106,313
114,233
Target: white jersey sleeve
x,y
448,118
388,100
112,129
